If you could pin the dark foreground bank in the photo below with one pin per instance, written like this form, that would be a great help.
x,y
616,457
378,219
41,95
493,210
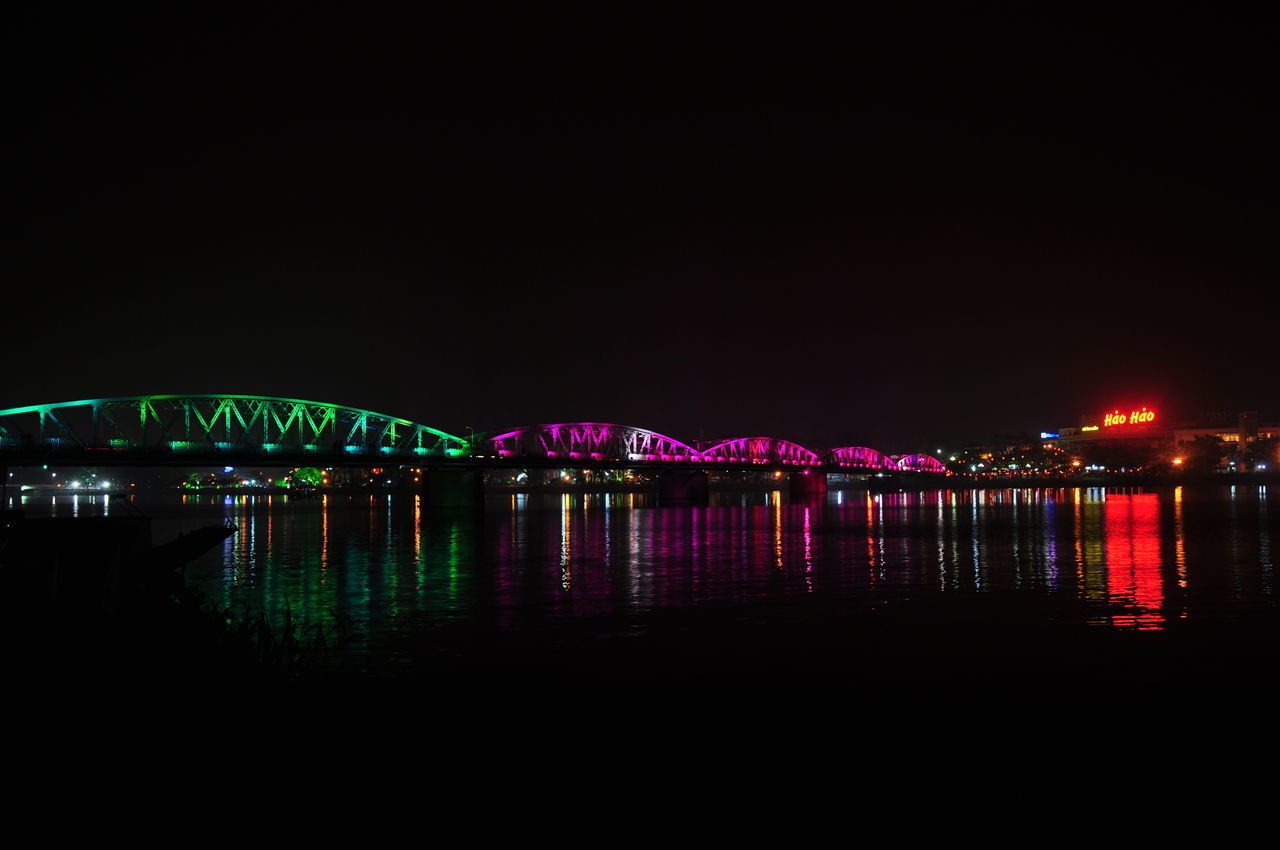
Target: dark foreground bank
x,y
976,645
916,659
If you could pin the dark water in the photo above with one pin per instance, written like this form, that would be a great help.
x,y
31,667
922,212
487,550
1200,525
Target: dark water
x,y
398,574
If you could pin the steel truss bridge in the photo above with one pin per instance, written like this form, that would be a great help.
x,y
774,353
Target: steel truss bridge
x,y
241,430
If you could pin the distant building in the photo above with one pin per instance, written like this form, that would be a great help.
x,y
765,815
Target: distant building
x,y
1143,427
1238,429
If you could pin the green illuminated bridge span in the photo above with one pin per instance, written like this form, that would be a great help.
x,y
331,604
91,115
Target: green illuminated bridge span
x,y
194,430
212,430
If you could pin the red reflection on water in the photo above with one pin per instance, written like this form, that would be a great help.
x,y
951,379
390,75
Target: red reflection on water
x,y
1132,529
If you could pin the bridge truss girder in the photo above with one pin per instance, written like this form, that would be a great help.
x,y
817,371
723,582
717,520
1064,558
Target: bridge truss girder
x,y
760,450
918,463
595,441
858,457
205,425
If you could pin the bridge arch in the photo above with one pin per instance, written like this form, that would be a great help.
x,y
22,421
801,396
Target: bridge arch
x,y
591,441
858,457
918,463
762,450
203,424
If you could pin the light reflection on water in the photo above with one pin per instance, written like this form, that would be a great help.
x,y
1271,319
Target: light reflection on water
x,y
392,567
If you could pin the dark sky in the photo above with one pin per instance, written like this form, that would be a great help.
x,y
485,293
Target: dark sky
x,y
879,231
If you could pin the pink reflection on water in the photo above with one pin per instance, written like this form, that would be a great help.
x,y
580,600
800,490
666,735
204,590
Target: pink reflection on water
x,y
808,551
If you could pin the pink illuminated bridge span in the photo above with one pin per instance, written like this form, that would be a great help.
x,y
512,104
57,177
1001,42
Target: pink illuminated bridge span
x,y
608,442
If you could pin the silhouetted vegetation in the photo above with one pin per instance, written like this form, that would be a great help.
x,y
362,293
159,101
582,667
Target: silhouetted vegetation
x,y
1264,450
1205,453
285,651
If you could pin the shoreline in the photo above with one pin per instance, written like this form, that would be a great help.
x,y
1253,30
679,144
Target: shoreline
x,y
954,482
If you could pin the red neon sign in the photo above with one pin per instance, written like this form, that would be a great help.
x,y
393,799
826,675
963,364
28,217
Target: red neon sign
x,y
1134,417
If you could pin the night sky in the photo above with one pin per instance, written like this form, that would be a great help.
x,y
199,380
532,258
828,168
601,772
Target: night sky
x,y
837,231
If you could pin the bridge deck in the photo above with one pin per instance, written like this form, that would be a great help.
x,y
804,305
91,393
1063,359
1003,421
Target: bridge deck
x,y
107,457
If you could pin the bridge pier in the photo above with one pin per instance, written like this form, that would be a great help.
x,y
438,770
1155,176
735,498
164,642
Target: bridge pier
x,y
805,482
683,487
453,488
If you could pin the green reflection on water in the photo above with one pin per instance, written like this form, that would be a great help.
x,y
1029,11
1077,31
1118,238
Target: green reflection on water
x,y
385,561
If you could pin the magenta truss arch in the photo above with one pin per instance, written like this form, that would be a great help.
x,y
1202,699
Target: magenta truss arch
x,y
859,457
591,441
918,463
760,450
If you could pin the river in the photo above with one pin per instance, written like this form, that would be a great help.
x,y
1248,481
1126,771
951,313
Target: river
x,y
539,575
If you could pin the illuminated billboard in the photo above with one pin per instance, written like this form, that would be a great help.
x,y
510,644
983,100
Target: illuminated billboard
x,y
1137,416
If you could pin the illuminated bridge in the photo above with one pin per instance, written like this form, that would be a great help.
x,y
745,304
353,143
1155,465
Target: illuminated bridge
x,y
216,430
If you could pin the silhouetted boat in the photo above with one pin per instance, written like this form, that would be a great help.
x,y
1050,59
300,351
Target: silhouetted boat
x,y
187,546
